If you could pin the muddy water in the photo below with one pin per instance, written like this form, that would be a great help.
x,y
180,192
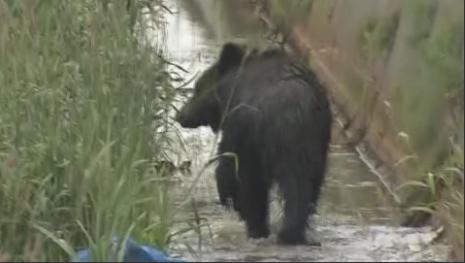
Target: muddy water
x,y
355,220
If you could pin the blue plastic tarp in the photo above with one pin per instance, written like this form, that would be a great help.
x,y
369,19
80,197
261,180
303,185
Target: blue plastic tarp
x,y
134,252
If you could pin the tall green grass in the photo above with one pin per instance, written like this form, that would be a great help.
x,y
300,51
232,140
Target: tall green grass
x,y
80,101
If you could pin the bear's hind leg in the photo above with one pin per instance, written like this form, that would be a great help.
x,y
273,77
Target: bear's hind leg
x,y
300,186
254,202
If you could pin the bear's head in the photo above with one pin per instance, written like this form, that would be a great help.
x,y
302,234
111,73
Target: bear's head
x,y
203,108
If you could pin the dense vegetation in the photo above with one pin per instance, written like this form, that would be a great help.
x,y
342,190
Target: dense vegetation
x,y
81,96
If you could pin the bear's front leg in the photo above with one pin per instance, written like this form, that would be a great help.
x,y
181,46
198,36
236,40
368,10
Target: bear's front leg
x,y
227,182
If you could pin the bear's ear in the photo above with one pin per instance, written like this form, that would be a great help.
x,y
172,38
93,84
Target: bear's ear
x,y
231,56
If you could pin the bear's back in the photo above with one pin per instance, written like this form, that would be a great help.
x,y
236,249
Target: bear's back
x,y
271,78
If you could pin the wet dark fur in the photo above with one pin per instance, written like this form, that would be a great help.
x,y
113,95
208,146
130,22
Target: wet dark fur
x,y
274,115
